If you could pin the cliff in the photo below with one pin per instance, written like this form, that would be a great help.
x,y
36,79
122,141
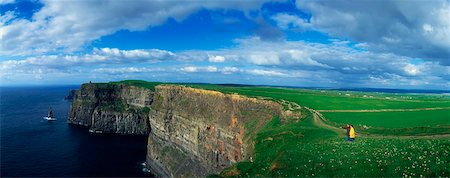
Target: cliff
x,y
198,132
70,95
191,132
112,108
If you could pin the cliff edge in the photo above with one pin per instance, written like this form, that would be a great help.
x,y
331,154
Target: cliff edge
x,y
112,108
198,132
191,132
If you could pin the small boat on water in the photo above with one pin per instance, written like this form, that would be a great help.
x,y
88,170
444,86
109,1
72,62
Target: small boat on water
x,y
49,116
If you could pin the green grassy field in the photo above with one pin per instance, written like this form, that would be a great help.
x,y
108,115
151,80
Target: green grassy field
x,y
402,119
139,83
302,147
328,100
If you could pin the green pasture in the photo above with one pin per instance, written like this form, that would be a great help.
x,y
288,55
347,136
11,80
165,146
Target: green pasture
x,y
139,83
292,149
338,100
425,122
403,119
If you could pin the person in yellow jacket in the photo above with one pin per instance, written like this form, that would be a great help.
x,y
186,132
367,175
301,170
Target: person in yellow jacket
x,y
350,132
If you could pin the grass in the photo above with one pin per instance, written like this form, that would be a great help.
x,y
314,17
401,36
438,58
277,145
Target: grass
x,y
395,123
139,83
403,119
332,100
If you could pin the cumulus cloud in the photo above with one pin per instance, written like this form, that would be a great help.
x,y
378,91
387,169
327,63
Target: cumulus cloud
x,y
125,70
103,56
411,69
335,63
136,54
192,69
235,70
70,25
287,21
2,2
189,69
230,70
408,28
269,73
216,58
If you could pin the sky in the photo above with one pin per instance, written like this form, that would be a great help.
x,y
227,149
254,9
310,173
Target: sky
x,y
323,43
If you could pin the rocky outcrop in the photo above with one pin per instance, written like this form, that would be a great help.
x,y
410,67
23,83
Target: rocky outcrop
x,y
191,132
198,132
112,108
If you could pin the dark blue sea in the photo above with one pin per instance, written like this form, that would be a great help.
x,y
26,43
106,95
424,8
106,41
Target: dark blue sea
x,y
32,146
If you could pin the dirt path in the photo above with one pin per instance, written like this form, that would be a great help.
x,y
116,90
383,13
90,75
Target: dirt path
x,y
318,121
387,110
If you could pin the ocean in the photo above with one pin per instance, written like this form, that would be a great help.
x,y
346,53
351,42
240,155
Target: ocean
x,y
32,146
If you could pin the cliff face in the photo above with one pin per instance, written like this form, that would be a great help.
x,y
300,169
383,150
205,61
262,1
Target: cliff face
x,y
192,132
70,95
107,108
198,132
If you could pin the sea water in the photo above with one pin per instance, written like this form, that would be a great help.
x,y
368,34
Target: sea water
x,y
32,146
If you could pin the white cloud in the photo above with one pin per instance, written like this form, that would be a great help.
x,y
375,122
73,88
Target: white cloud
x,y
216,58
268,73
337,63
211,69
124,70
191,69
287,21
427,28
263,58
418,29
411,69
69,25
234,70
230,70
98,56
303,57
137,54
3,2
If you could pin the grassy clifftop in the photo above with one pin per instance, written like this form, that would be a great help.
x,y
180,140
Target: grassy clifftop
x,y
139,83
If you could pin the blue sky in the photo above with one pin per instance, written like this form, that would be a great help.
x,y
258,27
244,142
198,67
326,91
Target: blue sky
x,y
340,43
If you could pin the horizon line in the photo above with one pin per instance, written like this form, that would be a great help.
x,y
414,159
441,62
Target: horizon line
x,y
386,90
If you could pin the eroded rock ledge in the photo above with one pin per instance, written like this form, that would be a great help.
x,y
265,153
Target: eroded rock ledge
x,y
191,132
108,108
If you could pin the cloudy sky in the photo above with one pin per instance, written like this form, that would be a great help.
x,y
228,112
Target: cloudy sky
x,y
339,43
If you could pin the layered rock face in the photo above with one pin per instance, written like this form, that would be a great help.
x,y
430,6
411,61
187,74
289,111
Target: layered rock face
x,y
70,95
191,132
108,108
198,132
